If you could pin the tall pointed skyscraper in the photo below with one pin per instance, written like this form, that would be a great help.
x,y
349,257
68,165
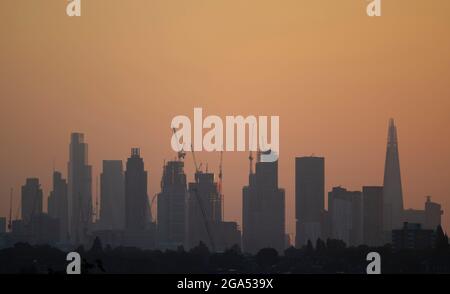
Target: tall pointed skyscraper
x,y
392,191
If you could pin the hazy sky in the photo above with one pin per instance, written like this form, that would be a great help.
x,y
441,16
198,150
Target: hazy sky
x,y
124,69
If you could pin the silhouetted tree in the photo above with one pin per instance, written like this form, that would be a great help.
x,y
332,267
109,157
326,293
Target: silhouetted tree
x,y
334,244
290,252
309,247
235,249
99,265
108,248
86,266
267,257
25,258
80,250
201,249
97,246
320,245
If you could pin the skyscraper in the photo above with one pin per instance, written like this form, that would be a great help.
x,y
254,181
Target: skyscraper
x,y
345,211
79,189
204,210
139,227
263,209
58,205
112,196
31,200
2,225
309,198
433,214
392,184
172,206
373,216
137,208
429,218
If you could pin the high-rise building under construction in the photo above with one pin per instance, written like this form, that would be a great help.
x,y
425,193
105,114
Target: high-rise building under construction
x,y
172,206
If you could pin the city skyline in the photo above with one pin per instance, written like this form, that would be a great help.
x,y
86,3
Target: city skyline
x,y
333,75
314,220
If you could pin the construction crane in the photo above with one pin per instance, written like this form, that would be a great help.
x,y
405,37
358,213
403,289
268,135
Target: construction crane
x,y
197,169
10,210
205,219
150,205
220,183
181,153
17,211
95,213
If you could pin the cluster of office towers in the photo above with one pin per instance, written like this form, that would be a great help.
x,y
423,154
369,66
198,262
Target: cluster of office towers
x,y
369,216
189,213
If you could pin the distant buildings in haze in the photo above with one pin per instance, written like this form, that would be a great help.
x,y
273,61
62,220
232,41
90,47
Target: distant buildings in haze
x,y
263,209
190,213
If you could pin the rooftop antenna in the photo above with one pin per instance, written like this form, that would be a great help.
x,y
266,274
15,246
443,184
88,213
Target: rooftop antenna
x,y
10,210
96,216
197,168
220,183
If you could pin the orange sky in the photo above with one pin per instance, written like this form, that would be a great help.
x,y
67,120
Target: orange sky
x,y
124,69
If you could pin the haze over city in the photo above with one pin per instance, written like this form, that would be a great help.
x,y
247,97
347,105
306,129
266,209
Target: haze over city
x,y
332,75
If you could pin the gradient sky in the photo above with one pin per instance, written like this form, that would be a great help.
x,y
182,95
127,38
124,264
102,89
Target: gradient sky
x,y
124,69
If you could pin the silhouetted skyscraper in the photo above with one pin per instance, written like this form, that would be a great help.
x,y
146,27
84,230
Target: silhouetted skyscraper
x,y
263,210
309,198
58,205
429,218
172,206
373,216
112,196
137,208
392,186
79,190
345,211
204,210
31,200
2,225
433,214
416,216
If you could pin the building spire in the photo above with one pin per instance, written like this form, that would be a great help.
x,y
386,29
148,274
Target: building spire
x,y
392,133
392,192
